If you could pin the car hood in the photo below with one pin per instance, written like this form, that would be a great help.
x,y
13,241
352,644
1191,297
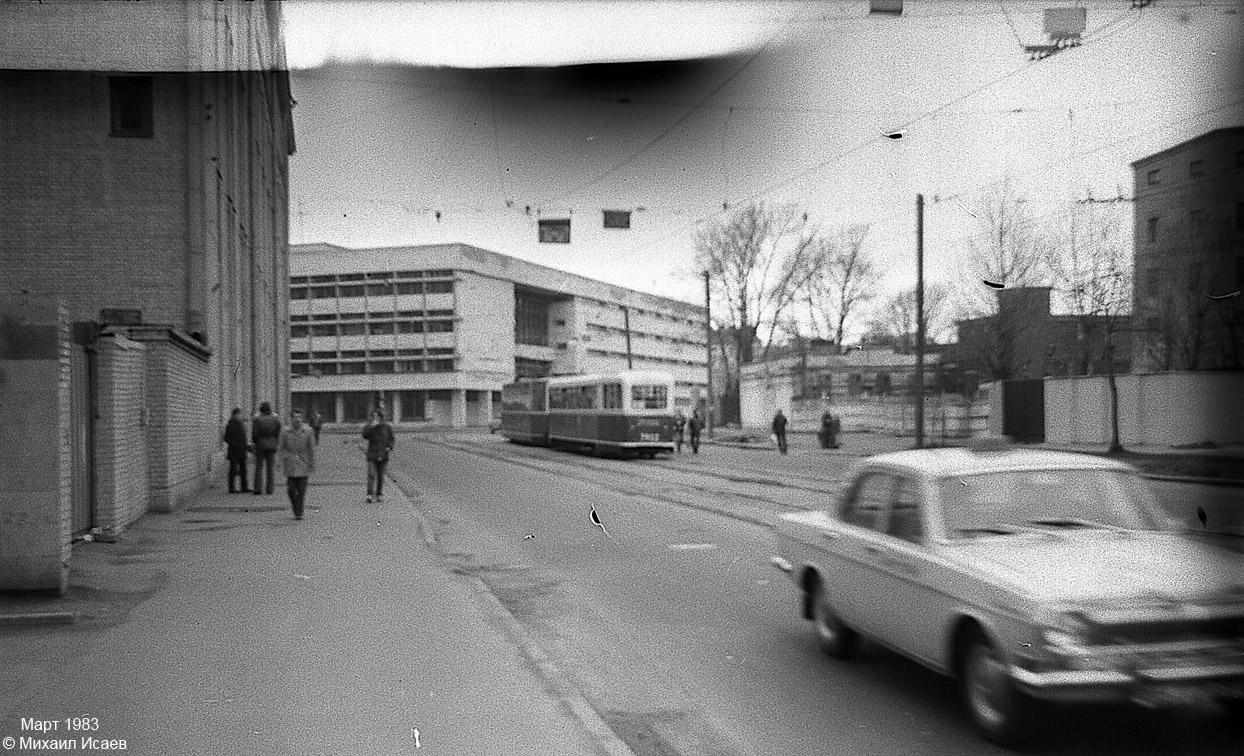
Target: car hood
x,y
1105,566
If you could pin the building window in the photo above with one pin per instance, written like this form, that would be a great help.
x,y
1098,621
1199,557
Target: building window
x,y
531,319
554,231
439,287
1152,177
617,219
1196,168
131,101
1196,222
1153,229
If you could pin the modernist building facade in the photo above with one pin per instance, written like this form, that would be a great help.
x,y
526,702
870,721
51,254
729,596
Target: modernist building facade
x,y
1189,252
143,186
431,333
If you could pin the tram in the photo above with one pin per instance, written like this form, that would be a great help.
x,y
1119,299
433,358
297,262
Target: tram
x,y
632,411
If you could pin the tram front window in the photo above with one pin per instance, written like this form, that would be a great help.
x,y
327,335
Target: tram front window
x,y
649,397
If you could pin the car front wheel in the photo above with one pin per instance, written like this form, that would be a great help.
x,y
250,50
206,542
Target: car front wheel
x,y
836,639
998,710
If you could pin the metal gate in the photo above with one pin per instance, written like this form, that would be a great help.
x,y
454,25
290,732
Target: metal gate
x,y
1023,410
81,438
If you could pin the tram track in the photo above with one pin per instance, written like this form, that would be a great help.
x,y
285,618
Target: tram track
x,y
761,501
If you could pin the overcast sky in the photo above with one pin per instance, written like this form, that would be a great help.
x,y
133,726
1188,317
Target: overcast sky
x,y
475,111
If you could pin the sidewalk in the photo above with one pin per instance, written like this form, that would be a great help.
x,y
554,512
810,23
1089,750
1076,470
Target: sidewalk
x,y
231,628
1221,466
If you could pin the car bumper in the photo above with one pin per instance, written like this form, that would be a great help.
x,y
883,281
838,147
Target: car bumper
x,y
1150,687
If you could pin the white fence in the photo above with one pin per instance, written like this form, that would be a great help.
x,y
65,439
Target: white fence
x,y
1162,409
946,416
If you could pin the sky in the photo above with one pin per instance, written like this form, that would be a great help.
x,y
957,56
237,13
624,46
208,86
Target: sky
x,y
422,122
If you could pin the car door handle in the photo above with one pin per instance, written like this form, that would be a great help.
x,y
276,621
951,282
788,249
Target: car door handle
x,y
829,536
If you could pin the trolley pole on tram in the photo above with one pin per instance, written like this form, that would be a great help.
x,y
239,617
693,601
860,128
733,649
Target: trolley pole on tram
x,y
919,321
708,351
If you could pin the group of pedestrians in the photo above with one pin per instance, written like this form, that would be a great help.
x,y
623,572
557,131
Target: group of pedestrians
x,y
294,446
682,425
831,427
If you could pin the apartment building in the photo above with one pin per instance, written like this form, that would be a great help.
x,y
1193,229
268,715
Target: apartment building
x,y
431,333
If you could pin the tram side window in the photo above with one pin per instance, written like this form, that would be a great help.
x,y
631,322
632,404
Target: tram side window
x,y
649,397
612,397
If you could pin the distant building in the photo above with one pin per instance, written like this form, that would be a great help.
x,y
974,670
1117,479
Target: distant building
x,y
805,382
431,333
143,190
1025,340
1189,248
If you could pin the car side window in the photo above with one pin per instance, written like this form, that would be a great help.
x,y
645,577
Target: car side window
x,y
904,519
864,507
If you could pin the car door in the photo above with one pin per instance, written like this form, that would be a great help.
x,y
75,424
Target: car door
x,y
910,602
855,582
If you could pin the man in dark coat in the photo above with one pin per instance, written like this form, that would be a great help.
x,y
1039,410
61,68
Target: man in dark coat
x,y
317,422
379,435
694,425
265,433
235,438
779,430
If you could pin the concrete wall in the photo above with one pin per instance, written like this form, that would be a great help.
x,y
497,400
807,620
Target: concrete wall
x,y
35,461
1160,409
122,492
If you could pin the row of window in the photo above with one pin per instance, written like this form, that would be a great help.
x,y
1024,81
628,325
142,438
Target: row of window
x,y
608,396
651,360
1196,169
371,329
602,328
333,354
379,289
639,311
400,275
1196,223
372,367
373,316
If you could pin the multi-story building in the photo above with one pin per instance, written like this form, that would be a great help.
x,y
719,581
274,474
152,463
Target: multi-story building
x,y
143,190
431,333
1189,253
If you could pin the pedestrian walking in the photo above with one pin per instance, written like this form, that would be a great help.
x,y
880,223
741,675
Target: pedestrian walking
x,y
317,422
828,434
680,426
694,425
379,435
779,430
296,447
235,439
265,433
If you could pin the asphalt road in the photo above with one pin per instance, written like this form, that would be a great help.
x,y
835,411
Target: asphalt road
x,y
668,618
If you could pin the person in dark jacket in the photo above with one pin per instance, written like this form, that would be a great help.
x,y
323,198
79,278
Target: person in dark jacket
x,y
694,425
379,435
317,422
235,438
680,428
779,430
265,433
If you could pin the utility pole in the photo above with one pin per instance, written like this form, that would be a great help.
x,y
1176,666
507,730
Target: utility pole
x,y
626,317
708,351
919,321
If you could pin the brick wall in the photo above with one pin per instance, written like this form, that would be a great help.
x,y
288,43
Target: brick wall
x,y
121,456
35,482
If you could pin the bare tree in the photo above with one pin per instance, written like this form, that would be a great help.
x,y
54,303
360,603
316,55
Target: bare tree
x,y
759,258
845,279
1093,275
894,322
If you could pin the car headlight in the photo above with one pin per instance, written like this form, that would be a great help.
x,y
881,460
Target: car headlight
x,y
1066,629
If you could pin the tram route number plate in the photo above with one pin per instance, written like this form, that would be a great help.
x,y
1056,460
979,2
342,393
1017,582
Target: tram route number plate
x,y
649,436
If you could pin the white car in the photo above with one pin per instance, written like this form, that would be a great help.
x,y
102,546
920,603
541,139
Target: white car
x,y
1025,574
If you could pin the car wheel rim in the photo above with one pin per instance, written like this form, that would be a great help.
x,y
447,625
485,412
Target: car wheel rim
x,y
986,679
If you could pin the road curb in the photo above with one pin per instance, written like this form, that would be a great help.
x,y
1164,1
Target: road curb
x,y
587,717
37,619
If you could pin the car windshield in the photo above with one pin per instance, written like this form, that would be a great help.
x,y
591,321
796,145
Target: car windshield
x,y
1006,502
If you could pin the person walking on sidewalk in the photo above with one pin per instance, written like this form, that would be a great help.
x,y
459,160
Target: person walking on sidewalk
x,y
379,435
680,426
694,425
296,447
317,422
235,439
265,432
779,430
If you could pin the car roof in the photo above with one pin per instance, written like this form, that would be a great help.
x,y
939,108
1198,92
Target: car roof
x,y
941,463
